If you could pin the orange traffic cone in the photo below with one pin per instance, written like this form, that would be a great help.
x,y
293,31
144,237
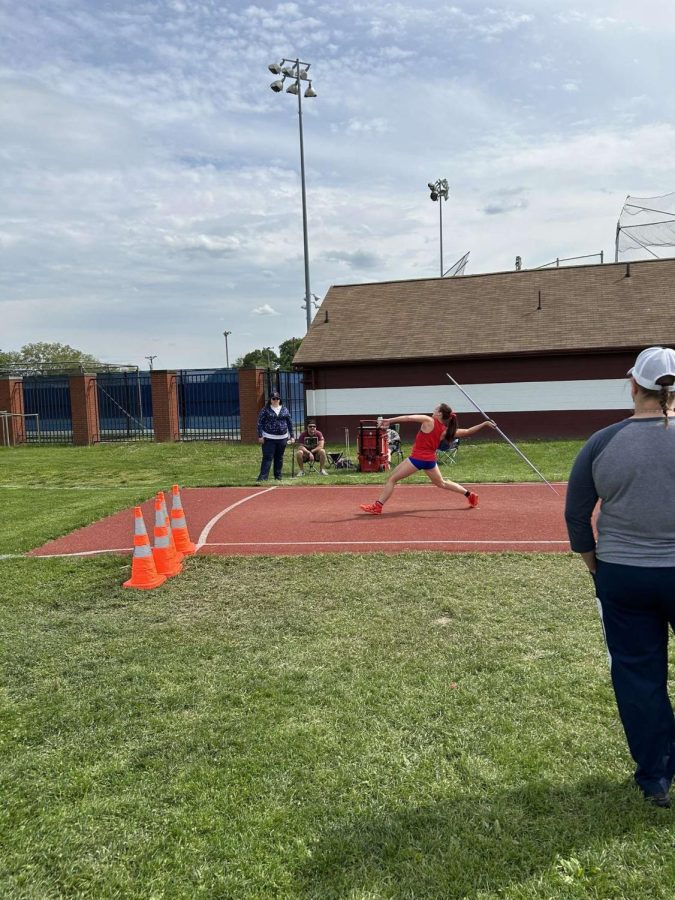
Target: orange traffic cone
x,y
165,559
144,574
179,525
172,543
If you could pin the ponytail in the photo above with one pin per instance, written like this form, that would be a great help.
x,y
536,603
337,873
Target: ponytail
x,y
665,396
449,419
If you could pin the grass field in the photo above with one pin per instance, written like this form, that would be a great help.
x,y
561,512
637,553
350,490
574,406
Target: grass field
x,y
346,726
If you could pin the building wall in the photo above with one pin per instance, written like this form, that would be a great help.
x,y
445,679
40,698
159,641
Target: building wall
x,y
530,396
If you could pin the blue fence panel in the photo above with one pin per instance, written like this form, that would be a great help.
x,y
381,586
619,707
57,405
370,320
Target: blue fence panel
x,y
208,404
292,391
125,406
49,398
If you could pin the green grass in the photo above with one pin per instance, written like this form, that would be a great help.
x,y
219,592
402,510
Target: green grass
x,y
342,726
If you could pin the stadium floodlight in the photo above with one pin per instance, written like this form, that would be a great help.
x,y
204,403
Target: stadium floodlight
x,y
295,70
275,68
439,190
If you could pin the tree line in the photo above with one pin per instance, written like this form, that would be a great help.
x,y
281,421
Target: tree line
x,y
45,357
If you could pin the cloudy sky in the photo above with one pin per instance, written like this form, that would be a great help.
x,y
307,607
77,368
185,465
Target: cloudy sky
x,y
150,179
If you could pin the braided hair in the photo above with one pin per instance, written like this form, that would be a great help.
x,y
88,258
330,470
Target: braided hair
x,y
663,395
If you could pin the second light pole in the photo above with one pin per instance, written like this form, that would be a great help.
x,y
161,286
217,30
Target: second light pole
x,y
438,192
294,71
227,353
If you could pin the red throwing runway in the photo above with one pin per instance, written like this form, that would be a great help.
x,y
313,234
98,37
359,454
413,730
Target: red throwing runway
x,y
327,519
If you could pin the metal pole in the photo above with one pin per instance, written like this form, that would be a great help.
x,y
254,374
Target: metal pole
x,y
508,440
440,213
308,295
227,354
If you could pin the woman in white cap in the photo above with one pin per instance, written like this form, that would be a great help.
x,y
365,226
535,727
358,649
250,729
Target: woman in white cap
x,y
630,468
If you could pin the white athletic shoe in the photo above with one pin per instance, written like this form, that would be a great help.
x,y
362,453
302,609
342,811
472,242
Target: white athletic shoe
x,y
299,474
323,472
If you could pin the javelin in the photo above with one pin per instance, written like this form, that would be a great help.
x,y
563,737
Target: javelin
x,y
508,440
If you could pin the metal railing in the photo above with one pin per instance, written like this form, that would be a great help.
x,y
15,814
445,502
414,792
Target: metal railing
x,y
292,391
125,406
47,398
208,404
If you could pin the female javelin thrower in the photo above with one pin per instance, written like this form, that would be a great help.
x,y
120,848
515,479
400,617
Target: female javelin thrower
x,y
440,426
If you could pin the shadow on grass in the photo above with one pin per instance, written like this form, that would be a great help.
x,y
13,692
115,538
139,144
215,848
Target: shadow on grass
x,y
457,848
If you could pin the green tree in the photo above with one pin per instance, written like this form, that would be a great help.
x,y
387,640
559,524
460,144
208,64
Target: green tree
x,y
287,350
7,358
48,357
265,359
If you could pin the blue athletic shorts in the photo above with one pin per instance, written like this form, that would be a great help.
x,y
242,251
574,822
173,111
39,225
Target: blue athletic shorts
x,y
423,463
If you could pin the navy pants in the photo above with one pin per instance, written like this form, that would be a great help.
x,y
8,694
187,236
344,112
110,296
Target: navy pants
x,y
272,451
637,605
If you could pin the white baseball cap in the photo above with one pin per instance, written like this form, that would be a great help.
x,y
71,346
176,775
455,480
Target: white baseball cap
x,y
653,364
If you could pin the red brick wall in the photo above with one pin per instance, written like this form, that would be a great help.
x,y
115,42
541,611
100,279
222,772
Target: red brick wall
x,y
11,401
84,409
251,401
165,405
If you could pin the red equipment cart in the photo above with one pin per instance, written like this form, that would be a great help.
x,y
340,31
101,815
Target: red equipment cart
x,y
373,446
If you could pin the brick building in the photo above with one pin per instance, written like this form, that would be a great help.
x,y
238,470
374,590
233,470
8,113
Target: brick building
x,y
545,351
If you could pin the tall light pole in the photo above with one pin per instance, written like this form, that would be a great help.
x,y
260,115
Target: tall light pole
x,y
150,360
439,191
294,71
227,355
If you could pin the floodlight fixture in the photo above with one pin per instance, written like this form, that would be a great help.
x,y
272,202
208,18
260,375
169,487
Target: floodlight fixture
x,y
310,92
277,86
288,72
275,68
439,190
292,88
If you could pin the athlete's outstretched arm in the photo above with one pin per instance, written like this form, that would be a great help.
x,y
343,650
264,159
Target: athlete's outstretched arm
x,y
467,432
422,418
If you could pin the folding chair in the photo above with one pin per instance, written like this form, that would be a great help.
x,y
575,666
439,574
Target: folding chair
x,y
447,452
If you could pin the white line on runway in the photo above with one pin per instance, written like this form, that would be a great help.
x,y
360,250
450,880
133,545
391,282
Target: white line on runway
x,y
209,525
371,543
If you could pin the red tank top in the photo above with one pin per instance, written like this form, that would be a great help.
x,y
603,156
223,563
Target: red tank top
x,y
426,443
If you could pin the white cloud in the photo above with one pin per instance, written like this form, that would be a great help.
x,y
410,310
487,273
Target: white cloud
x,y
265,310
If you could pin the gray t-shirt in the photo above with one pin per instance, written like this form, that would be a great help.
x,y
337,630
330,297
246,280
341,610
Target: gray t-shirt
x,y
630,468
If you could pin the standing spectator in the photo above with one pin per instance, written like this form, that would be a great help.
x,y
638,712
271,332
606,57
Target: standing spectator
x,y
275,430
630,468
310,448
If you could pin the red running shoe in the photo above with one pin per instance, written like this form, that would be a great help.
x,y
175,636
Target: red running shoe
x,y
375,509
473,499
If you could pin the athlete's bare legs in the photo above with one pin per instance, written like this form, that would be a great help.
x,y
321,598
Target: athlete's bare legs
x,y
434,475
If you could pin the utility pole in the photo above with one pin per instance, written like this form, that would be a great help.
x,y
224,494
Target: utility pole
x,y
150,359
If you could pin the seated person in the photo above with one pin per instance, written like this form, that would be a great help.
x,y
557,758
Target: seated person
x,y
394,441
310,447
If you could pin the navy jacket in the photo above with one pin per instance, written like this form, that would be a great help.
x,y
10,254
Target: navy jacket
x,y
272,423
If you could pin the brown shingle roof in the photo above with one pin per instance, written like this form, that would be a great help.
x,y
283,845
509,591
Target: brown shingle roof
x,y
582,308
